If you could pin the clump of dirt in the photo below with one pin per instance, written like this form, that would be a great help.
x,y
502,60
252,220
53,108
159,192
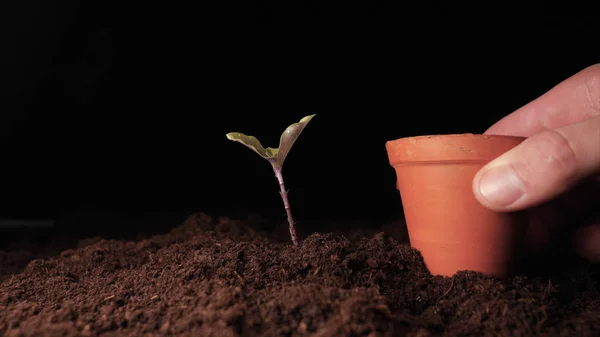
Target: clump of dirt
x,y
223,277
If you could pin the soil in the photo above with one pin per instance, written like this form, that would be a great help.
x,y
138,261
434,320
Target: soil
x,y
218,276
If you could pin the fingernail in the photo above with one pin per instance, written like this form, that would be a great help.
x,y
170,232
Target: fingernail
x,y
501,186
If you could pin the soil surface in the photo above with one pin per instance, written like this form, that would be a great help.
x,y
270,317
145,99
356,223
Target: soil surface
x,y
215,276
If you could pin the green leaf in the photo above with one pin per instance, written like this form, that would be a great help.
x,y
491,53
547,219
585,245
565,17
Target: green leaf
x,y
274,155
289,136
253,144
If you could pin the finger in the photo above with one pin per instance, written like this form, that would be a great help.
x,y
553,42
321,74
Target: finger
x,y
540,168
548,221
573,100
586,242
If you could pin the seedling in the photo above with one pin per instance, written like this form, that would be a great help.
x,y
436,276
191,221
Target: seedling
x,y
276,156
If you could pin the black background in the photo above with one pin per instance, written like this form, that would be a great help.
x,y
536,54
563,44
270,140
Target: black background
x,y
125,106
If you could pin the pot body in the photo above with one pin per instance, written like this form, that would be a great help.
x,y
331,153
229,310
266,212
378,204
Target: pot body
x,y
450,228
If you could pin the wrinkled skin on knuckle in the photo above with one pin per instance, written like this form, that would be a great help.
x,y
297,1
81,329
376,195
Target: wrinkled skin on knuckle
x,y
556,158
591,85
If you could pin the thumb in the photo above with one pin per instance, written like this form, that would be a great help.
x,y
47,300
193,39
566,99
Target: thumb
x,y
540,168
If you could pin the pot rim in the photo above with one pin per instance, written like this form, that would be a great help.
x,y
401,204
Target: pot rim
x,y
449,148
454,135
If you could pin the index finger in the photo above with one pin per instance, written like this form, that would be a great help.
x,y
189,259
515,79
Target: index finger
x,y
573,100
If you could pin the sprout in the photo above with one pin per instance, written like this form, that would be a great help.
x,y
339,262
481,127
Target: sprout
x,y
276,156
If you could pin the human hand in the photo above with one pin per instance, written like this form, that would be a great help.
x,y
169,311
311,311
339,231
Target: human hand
x,y
558,165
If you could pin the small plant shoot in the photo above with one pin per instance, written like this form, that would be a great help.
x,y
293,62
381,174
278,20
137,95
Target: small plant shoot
x,y
276,156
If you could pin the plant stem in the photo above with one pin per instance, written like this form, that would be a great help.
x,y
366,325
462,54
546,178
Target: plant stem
x,y
286,202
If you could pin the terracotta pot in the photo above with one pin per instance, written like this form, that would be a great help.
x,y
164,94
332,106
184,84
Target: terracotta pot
x,y
450,228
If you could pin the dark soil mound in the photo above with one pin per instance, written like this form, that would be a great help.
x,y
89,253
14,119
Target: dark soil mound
x,y
222,277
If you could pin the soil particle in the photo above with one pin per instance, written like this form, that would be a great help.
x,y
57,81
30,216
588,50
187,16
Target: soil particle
x,y
225,277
